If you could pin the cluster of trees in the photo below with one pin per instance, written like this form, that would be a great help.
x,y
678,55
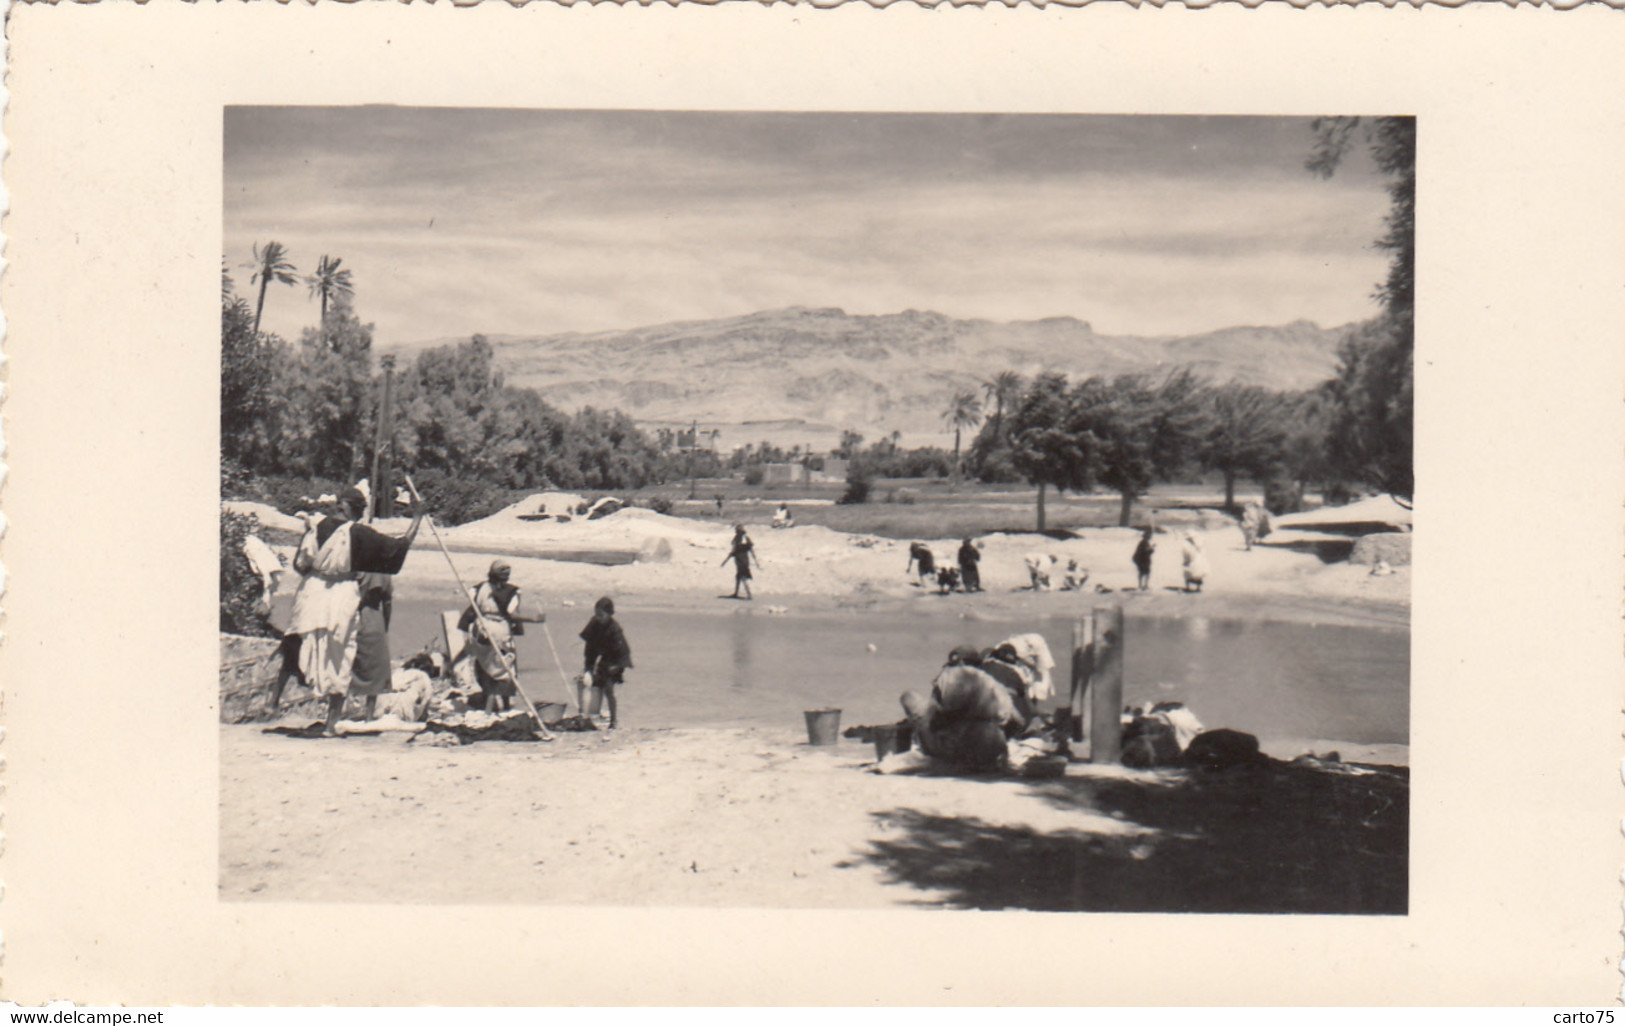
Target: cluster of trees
x,y
1372,398
1127,432
310,410
886,457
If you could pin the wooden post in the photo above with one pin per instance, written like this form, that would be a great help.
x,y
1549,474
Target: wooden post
x,y
1083,662
383,498
1106,685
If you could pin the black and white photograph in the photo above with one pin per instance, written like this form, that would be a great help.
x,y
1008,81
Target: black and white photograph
x,y
774,506
816,510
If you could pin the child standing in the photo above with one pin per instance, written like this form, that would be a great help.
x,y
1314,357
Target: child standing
x,y
1142,557
608,656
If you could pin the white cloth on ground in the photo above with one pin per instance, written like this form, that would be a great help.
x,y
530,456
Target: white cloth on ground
x,y
1186,725
409,695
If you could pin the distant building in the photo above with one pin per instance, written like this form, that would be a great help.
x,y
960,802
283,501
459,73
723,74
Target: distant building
x,y
784,473
834,470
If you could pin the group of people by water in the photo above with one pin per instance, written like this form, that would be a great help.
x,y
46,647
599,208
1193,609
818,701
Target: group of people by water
x,y
1044,570
337,642
967,576
1193,561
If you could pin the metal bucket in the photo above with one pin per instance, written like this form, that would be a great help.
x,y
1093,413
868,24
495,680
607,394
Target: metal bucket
x,y
823,726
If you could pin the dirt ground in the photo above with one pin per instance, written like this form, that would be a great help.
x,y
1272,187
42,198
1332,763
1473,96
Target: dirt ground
x,y
758,818
755,817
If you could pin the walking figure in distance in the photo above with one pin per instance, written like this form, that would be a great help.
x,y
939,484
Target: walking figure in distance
x,y
742,552
1142,557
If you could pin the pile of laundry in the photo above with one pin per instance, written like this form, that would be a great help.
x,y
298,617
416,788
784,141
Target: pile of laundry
x,y
477,725
1162,734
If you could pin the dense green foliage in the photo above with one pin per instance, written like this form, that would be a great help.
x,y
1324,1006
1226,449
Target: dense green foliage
x,y
300,420
1246,435
246,372
242,606
860,479
1124,433
1370,437
1356,430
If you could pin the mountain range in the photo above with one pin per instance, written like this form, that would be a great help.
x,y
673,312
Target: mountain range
x,y
803,373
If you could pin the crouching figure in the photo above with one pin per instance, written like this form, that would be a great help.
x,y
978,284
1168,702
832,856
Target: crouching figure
x,y
965,719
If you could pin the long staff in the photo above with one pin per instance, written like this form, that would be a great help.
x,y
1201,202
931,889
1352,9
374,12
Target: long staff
x,y
571,697
513,672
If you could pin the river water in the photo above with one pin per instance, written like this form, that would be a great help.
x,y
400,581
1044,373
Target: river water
x,y
746,666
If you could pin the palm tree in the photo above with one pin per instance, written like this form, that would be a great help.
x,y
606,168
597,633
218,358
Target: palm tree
x,y
270,264
964,411
329,282
1002,390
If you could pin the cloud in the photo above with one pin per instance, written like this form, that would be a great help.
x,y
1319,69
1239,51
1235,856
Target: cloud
x,y
513,222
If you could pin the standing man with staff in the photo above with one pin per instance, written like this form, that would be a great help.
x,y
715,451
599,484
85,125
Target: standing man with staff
x,y
332,555
541,732
497,604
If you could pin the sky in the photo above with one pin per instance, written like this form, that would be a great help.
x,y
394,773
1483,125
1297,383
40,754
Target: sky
x,y
457,221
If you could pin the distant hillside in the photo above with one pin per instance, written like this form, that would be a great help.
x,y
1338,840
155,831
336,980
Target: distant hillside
x,y
826,370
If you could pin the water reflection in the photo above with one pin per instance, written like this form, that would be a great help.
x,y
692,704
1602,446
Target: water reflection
x,y
1270,679
743,633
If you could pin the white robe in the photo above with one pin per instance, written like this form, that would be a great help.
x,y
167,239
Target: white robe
x,y
325,612
1196,565
265,562
1034,651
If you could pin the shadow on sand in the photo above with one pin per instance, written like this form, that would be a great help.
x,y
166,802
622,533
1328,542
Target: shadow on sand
x,y
1272,839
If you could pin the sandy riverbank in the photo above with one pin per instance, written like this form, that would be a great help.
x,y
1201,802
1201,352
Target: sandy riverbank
x,y
755,817
812,568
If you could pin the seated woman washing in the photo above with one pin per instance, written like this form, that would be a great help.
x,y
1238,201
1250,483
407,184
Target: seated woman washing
x,y
966,718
